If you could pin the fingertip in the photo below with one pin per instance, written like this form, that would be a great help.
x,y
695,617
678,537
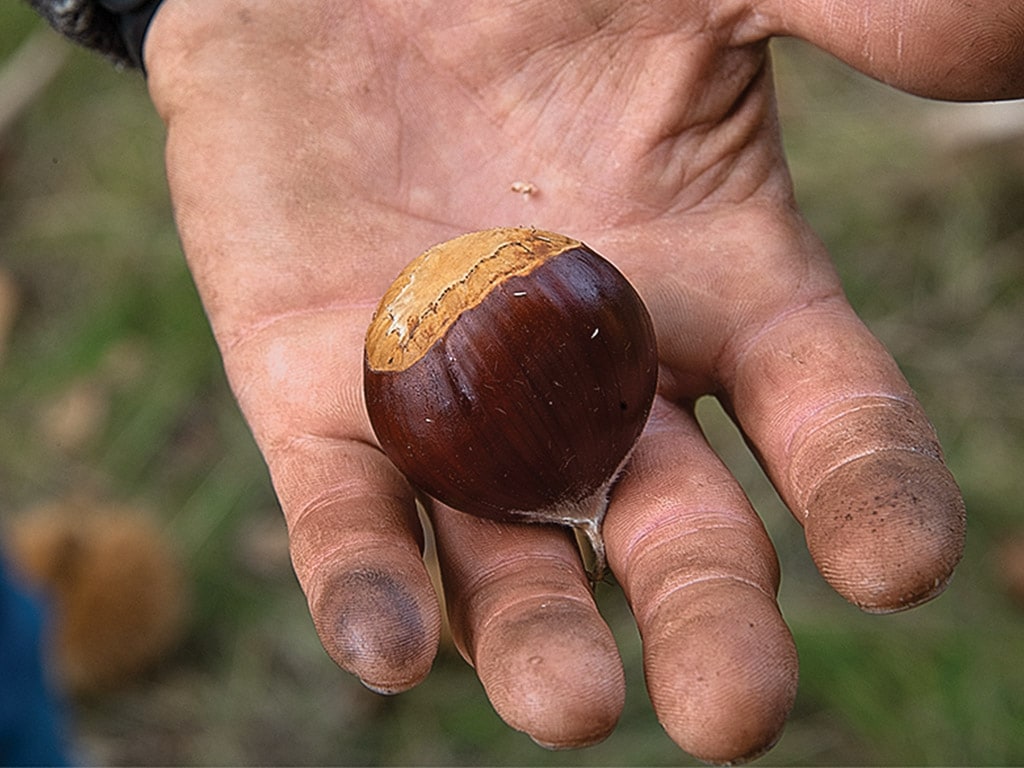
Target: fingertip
x,y
523,614
356,547
379,622
854,456
701,575
723,682
887,529
551,669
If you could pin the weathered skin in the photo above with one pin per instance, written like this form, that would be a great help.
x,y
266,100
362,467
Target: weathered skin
x,y
313,146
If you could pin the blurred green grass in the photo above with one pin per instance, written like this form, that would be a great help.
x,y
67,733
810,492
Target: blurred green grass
x,y
929,242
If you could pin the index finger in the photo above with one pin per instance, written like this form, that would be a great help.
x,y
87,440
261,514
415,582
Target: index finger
x,y
852,453
825,407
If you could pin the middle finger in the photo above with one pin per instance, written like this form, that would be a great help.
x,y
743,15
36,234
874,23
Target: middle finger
x,y
701,576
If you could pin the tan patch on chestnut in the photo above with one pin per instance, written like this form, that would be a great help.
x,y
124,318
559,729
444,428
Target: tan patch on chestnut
x,y
423,302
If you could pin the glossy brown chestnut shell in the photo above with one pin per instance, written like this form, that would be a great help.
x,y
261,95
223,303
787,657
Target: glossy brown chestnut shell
x,y
508,374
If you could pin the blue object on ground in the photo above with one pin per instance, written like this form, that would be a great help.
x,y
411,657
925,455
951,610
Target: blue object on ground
x,y
31,720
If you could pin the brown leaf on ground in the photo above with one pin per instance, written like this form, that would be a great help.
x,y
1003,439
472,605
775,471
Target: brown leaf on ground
x,y
115,582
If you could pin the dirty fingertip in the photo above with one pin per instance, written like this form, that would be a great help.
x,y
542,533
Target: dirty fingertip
x,y
553,671
886,530
381,626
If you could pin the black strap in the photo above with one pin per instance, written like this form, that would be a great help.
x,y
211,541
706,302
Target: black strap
x,y
133,18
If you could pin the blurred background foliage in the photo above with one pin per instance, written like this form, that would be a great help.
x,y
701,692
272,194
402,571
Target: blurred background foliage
x,y
112,394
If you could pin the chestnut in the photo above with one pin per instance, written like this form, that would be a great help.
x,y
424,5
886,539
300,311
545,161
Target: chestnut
x,y
508,373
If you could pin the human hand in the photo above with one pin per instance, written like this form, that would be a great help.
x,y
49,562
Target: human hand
x,y
315,148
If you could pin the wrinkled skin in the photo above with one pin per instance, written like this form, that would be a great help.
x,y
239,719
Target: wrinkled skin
x,y
314,148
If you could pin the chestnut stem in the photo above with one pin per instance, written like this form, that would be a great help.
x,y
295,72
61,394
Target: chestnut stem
x,y
585,517
590,537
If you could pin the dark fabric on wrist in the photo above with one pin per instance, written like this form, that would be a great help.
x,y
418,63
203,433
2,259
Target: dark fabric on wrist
x,y
133,24
86,23
92,24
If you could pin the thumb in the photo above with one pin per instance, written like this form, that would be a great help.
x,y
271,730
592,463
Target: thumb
x,y
959,51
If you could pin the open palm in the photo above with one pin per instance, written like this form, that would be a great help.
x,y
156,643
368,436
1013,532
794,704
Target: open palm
x,y
315,148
